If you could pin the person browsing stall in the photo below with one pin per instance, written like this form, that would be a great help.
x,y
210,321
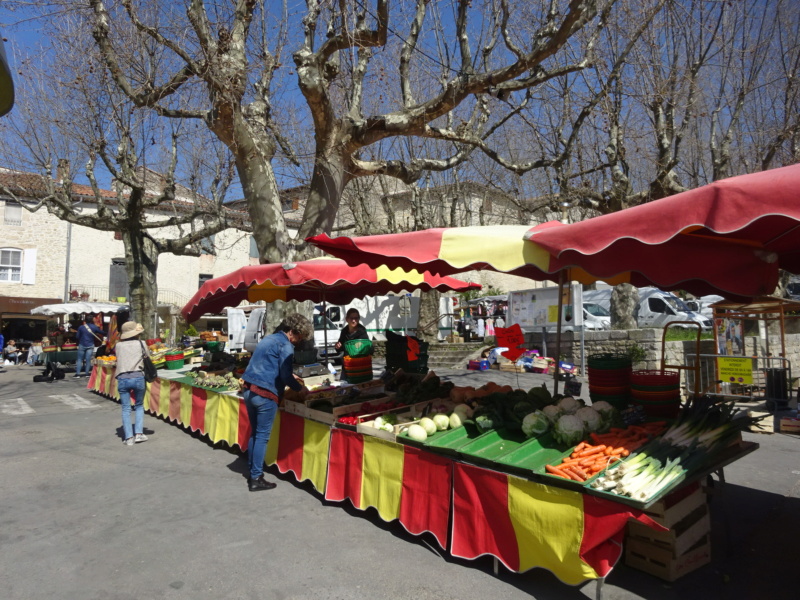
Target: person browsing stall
x,y
130,380
353,329
265,379
87,334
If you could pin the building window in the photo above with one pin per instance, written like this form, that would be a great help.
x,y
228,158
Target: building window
x,y
203,278
13,214
253,248
10,265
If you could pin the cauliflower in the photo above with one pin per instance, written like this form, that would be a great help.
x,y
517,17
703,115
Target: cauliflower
x,y
552,412
569,430
592,420
484,423
569,405
535,424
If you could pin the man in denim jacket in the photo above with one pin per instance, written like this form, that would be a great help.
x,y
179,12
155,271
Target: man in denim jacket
x,y
267,375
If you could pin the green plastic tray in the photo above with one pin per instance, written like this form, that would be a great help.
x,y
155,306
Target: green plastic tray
x,y
492,445
403,438
530,457
452,440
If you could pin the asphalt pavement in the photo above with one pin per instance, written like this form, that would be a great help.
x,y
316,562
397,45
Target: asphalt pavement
x,y
86,517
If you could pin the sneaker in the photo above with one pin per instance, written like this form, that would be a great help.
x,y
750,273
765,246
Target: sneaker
x,y
140,437
128,442
76,376
256,485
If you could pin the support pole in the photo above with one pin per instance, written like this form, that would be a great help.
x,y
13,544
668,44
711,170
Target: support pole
x,y
558,328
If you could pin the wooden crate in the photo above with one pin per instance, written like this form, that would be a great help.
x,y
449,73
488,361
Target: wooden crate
x,y
680,538
660,562
677,506
412,412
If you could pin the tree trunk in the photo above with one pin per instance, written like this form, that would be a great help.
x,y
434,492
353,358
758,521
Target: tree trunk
x,y
428,323
624,300
324,196
261,191
142,266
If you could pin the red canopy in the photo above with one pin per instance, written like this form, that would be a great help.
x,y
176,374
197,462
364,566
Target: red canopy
x,y
321,279
730,236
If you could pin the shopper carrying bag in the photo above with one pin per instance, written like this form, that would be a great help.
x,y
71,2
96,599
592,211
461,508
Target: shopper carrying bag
x,y
132,358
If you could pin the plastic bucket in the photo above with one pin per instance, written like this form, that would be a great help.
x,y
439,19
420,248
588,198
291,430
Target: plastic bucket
x,y
174,365
213,346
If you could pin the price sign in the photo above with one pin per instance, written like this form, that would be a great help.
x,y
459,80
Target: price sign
x,y
510,337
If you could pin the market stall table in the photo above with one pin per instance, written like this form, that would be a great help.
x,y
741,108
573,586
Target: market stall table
x,y
522,523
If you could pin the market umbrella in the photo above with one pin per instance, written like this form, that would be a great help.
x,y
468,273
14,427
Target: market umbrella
x,y
729,237
318,280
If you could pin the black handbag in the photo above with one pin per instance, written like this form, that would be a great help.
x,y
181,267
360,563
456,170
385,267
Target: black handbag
x,y
150,371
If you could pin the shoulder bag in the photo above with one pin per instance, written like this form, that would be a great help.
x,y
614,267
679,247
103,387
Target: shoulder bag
x,y
150,371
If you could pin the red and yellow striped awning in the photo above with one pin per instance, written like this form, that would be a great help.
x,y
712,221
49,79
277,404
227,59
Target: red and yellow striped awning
x,y
320,279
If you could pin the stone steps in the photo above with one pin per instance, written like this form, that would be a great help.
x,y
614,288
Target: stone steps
x,y
454,356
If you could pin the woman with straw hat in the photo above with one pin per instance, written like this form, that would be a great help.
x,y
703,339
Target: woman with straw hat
x,y
130,380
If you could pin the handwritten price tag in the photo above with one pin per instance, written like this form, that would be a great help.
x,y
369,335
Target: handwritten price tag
x,y
510,337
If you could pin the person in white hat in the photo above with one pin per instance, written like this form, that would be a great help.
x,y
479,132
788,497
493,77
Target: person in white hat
x,y
130,352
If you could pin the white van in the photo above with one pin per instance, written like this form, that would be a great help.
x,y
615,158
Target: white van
x,y
255,330
595,317
656,307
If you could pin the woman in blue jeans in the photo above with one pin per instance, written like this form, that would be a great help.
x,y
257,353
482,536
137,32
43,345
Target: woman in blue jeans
x,y
130,352
267,375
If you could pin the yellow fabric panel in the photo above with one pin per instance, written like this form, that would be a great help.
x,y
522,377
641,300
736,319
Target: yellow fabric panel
x,y
267,291
502,246
399,275
548,522
163,398
382,477
274,439
186,405
222,418
316,442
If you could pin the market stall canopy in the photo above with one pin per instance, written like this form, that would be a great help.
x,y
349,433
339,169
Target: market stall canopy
x,y
447,251
504,248
69,308
729,237
319,280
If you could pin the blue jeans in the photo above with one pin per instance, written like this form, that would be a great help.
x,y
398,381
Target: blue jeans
x,y
262,413
126,387
84,358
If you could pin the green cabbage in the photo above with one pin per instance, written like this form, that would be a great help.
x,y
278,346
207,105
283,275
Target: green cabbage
x,y
535,424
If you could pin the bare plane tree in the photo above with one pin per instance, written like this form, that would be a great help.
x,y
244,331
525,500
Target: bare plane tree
x,y
68,117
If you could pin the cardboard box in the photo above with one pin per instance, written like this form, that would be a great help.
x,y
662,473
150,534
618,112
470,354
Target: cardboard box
x,y
680,538
512,368
660,562
790,425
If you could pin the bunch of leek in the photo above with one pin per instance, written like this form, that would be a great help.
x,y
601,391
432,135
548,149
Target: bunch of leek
x,y
703,428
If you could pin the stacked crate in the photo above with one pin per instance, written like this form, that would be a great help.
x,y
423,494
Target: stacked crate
x,y
672,554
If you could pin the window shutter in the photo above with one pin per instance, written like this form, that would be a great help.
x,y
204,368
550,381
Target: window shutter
x,y
29,266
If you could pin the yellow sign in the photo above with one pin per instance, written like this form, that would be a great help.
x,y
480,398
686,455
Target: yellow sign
x,y
552,313
735,370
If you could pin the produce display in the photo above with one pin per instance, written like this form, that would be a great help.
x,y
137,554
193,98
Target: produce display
x,y
228,382
703,429
586,460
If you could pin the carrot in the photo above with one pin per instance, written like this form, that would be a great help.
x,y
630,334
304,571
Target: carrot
x,y
556,471
618,451
573,475
591,450
579,472
580,447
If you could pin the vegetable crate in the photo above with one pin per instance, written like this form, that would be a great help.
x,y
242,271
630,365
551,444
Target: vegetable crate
x,y
408,414
684,548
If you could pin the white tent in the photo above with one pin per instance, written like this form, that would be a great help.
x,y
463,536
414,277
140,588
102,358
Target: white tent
x,y
52,310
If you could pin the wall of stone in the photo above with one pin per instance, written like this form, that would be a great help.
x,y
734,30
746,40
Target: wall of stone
x,y
48,235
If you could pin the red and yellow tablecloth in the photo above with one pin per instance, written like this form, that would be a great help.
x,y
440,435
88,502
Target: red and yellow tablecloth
x,y
522,523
